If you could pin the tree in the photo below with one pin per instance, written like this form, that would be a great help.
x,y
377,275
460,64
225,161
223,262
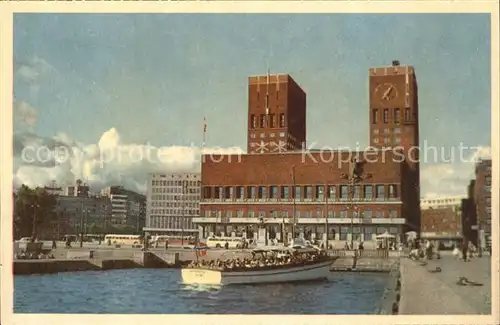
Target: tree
x,y
33,212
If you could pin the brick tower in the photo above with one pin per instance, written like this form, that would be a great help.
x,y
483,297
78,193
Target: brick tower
x,y
393,105
276,114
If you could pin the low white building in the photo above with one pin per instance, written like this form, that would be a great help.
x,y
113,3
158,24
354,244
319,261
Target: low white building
x,y
173,200
442,202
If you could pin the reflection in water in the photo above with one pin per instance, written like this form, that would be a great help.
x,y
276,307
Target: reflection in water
x,y
158,291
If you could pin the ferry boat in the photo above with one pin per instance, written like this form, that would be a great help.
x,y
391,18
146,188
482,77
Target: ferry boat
x,y
315,265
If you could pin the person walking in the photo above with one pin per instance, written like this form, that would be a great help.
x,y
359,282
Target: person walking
x,y
465,248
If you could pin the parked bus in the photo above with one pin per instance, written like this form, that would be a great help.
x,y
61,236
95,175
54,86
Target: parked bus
x,y
220,242
173,241
122,239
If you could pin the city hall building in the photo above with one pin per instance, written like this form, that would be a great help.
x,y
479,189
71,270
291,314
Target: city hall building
x,y
340,194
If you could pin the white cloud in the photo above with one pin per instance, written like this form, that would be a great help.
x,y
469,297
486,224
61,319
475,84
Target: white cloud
x,y
25,113
109,162
34,69
112,162
450,179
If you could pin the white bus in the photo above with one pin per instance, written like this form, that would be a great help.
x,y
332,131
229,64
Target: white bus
x,y
122,239
220,242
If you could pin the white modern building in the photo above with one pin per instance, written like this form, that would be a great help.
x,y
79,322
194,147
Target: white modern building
x,y
173,200
127,207
441,202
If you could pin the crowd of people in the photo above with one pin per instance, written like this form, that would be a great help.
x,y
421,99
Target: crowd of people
x,y
23,255
258,261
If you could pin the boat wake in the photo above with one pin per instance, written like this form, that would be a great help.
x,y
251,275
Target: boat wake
x,y
195,287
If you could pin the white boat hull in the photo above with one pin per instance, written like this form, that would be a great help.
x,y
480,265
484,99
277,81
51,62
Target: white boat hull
x,y
311,272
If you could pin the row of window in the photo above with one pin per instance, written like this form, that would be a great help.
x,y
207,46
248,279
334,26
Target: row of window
x,y
318,213
174,204
195,189
175,183
387,140
170,222
180,197
307,192
365,233
267,121
176,212
396,130
271,135
395,115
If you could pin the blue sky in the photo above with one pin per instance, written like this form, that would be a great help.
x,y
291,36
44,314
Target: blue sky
x,y
154,77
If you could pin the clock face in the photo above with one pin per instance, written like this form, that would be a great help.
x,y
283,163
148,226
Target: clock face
x,y
386,92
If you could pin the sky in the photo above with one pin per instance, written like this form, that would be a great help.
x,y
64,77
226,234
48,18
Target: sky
x,y
97,82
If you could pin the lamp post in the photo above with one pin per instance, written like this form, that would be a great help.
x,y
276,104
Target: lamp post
x,y
33,226
184,190
352,179
81,223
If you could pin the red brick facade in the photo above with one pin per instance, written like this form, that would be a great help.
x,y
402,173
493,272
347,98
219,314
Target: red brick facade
x,y
274,186
442,222
276,114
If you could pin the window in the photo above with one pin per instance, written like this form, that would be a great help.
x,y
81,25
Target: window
x,y
357,190
368,192
319,213
375,131
285,192
272,135
488,180
253,194
375,140
272,120
397,130
386,131
274,192
392,191
367,214
386,140
253,122
297,193
262,135
308,192
380,230
343,214
320,192
344,192
240,192
343,233
375,116
397,140
380,192
262,121
262,192
386,115
282,120
393,214
407,114
332,192
367,232
282,134
396,115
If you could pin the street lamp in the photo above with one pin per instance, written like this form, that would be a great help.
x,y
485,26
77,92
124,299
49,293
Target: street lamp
x,y
294,206
33,226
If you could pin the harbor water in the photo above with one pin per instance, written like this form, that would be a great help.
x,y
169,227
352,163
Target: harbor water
x,y
159,291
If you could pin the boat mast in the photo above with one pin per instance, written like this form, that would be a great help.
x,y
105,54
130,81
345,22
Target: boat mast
x,y
294,203
326,214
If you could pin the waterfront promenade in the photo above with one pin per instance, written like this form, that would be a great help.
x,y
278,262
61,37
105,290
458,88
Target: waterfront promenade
x,y
426,293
